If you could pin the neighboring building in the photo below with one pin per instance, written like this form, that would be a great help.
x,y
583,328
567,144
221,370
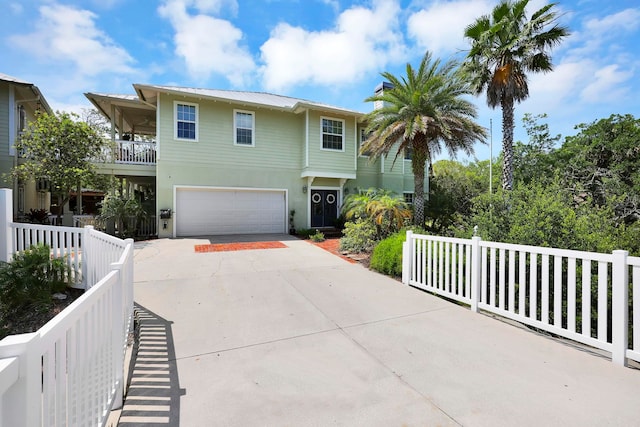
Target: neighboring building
x,y
19,101
230,162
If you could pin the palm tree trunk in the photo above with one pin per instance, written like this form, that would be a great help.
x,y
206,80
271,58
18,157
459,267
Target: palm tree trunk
x,y
507,142
418,194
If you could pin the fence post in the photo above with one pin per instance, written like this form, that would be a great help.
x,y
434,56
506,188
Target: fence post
x,y
24,395
620,307
407,257
86,256
117,356
475,272
6,218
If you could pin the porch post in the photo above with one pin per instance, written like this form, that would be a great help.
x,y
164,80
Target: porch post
x,y
6,217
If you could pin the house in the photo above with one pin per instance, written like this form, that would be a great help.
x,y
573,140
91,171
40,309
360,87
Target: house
x,y
233,162
19,102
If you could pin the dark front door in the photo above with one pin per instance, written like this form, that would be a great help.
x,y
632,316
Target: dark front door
x,y
324,208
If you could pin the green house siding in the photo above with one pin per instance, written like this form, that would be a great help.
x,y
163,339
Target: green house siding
x,y
278,139
334,161
5,159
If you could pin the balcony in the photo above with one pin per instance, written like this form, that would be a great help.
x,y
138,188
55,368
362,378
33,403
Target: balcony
x,y
133,153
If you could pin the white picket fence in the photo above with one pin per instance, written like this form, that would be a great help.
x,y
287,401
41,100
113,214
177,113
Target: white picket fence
x,y
71,371
583,296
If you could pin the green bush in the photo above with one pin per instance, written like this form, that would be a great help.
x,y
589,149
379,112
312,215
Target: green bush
x,y
359,236
387,255
305,232
317,237
29,280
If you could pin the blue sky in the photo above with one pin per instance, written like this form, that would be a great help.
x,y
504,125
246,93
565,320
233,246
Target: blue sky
x,y
330,51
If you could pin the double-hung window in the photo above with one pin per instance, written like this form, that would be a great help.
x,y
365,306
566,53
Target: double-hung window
x,y
332,134
408,197
408,153
244,127
186,121
363,138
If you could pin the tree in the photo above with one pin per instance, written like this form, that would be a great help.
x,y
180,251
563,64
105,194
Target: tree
x,y
532,161
423,111
60,149
601,163
505,46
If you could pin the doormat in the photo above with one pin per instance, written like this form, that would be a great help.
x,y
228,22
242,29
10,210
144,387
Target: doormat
x,y
238,246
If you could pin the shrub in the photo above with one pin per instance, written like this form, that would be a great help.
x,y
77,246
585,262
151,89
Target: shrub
x,y
318,236
305,232
27,282
358,236
387,255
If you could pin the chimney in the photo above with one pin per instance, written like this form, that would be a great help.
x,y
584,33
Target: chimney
x,y
379,91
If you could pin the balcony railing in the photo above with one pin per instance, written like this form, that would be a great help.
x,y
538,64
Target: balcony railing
x,y
133,153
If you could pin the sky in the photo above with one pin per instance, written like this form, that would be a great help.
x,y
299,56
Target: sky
x,y
329,51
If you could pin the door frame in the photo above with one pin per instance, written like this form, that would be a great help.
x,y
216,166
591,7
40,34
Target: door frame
x,y
322,187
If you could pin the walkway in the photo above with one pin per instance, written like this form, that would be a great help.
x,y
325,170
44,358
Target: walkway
x,y
296,336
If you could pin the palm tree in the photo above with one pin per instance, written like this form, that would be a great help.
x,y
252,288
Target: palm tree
x,y
423,111
505,46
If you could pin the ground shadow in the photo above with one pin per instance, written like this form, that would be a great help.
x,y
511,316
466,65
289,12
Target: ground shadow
x,y
153,390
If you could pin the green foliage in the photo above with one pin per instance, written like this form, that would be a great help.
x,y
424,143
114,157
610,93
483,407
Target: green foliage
x,y
29,280
318,236
506,45
359,236
124,211
531,161
387,255
601,162
384,209
423,112
546,215
452,188
60,148
305,232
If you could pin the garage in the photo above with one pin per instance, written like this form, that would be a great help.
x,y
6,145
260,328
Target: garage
x,y
214,211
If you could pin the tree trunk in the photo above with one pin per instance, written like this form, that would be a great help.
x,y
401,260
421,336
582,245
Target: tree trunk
x,y
507,143
418,163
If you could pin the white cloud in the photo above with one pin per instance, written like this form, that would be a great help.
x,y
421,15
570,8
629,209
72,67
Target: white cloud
x,y
207,44
440,28
363,40
606,85
66,34
623,21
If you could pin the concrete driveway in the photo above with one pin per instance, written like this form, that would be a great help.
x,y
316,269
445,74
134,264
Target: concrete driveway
x,y
296,336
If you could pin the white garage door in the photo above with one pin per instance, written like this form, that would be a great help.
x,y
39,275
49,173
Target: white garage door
x,y
201,212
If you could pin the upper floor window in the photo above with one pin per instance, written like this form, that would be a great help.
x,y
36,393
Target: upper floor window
x,y
363,137
244,127
186,121
332,134
408,153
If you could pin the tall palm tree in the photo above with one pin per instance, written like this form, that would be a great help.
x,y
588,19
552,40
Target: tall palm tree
x,y
505,46
423,111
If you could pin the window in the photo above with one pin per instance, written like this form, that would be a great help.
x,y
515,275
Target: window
x,y
244,127
408,153
332,134
186,121
408,198
363,137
